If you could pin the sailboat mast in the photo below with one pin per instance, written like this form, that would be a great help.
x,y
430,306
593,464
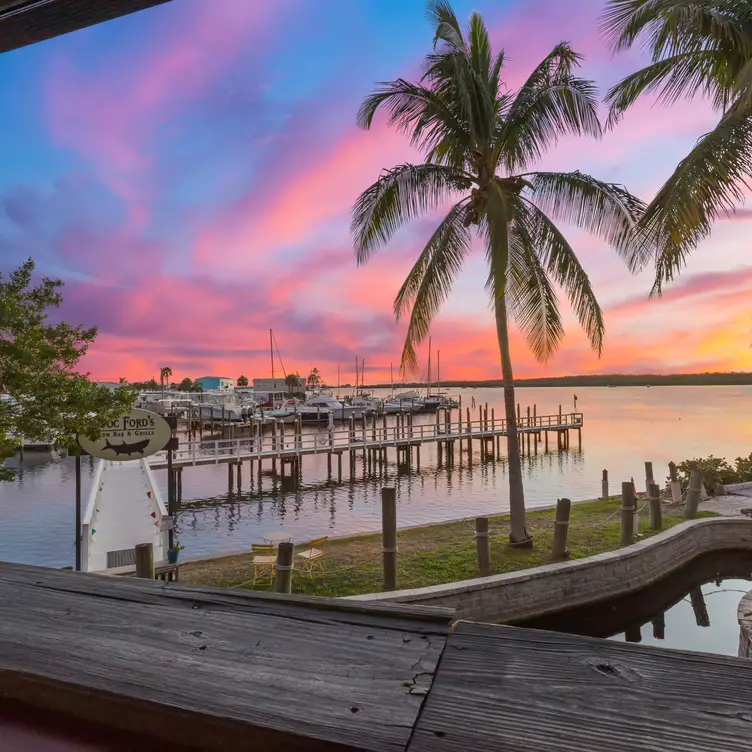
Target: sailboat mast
x,y
271,353
428,378
362,374
337,380
391,377
356,374
438,370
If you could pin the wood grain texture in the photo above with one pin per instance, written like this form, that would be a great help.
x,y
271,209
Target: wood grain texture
x,y
518,689
215,669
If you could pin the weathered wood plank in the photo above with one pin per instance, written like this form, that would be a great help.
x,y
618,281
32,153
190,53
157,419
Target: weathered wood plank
x,y
519,689
422,619
216,674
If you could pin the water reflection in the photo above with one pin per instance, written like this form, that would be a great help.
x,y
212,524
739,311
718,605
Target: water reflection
x,y
692,609
622,428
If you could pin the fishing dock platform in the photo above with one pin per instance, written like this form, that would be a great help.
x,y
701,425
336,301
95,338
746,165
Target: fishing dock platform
x,y
371,438
102,663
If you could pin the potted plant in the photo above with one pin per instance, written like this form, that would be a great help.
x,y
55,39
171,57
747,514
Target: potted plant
x,y
173,552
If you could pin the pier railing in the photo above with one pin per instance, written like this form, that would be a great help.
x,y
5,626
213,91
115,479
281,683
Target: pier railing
x,y
286,441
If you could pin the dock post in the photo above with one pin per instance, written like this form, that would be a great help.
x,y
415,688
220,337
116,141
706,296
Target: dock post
x,y
560,415
339,466
659,626
483,546
229,477
545,433
519,414
283,568
579,439
700,609
693,494
604,485
274,445
417,457
469,432
145,561
528,430
632,633
438,424
654,498
329,465
627,513
180,483
559,546
648,476
535,423
389,536
676,492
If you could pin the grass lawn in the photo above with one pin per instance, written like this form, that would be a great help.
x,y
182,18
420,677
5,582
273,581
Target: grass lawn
x,y
437,553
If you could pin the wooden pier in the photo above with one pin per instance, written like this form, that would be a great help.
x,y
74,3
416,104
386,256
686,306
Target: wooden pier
x,y
374,436
211,669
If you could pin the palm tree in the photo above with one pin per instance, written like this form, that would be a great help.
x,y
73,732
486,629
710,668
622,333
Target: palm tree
x,y
698,48
479,138
164,375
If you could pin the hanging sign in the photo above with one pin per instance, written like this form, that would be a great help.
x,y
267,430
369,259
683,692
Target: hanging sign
x,y
139,434
165,524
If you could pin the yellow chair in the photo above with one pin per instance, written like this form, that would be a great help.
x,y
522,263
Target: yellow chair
x,y
264,559
312,554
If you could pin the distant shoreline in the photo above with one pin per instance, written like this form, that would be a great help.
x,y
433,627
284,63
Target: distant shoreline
x,y
678,379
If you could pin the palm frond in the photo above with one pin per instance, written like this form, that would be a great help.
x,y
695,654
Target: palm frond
x,y
430,280
710,181
530,296
688,74
480,47
561,263
399,195
416,111
552,102
447,27
606,210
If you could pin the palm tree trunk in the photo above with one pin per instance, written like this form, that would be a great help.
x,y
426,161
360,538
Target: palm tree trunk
x,y
518,534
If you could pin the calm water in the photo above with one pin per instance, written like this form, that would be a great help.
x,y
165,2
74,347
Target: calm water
x,y
693,609
623,428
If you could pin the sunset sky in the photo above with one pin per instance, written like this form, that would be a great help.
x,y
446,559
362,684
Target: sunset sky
x,y
189,172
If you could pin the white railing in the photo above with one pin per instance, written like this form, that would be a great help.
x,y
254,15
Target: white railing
x,y
285,440
89,520
159,509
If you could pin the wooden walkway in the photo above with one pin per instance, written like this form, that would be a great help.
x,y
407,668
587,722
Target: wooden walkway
x,y
361,438
218,669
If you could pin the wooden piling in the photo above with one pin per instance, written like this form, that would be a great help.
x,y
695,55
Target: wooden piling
x,y
700,609
659,626
559,546
649,480
632,633
229,476
627,513
283,568
693,494
483,546
604,485
239,475
389,536
179,472
654,499
676,492
145,561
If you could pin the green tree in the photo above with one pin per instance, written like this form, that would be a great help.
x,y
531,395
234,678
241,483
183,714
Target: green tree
x,y
292,382
479,137
164,376
45,399
698,48
186,385
242,381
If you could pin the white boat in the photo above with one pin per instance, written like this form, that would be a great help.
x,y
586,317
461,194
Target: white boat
x,y
368,403
407,402
339,411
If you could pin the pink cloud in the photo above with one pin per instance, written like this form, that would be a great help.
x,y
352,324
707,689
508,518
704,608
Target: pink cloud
x,y
111,114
